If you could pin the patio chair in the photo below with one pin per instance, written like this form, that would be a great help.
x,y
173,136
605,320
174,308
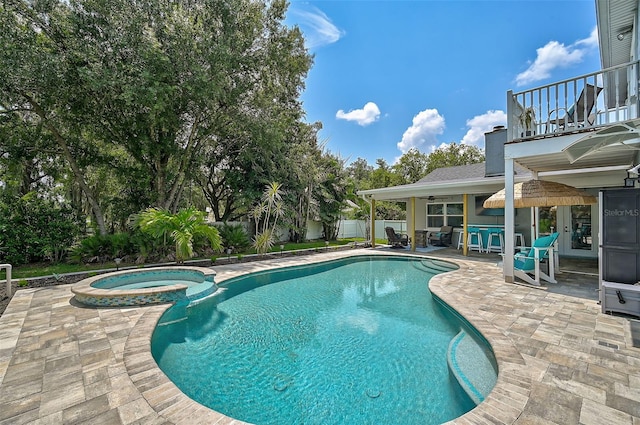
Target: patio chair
x,y
527,262
396,240
441,238
575,115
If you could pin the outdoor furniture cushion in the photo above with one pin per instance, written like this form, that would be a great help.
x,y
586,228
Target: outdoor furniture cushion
x,y
441,238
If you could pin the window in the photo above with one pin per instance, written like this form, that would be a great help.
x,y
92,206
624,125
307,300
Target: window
x,y
435,215
439,215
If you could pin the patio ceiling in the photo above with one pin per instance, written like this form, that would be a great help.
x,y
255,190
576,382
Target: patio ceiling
x,y
559,160
594,149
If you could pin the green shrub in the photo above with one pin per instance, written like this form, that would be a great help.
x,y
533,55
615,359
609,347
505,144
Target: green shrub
x,y
91,249
98,248
22,283
121,245
182,228
34,229
233,236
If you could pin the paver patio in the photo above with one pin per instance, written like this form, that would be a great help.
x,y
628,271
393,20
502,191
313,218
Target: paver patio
x,y
561,361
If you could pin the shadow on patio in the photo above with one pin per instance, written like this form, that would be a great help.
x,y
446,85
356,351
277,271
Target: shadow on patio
x,y
578,277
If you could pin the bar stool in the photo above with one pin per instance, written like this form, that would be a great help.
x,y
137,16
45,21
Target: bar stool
x,y
474,234
518,240
496,241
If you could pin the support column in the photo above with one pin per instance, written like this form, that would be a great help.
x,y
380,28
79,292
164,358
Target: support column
x,y
509,221
465,223
373,223
412,231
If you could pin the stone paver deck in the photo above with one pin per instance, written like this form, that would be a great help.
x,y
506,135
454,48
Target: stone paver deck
x,y
561,361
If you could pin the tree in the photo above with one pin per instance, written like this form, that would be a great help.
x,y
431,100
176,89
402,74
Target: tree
x,y
304,178
181,228
331,194
149,89
411,166
383,176
359,172
36,82
454,154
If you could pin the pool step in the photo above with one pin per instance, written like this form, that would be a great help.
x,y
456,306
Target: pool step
x,y
437,265
433,266
469,363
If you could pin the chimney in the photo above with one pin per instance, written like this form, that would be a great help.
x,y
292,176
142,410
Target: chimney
x,y
494,151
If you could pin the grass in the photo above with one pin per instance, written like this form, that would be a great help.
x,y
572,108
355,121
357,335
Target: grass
x,y
47,269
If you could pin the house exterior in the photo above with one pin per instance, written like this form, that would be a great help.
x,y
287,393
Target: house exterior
x,y
584,132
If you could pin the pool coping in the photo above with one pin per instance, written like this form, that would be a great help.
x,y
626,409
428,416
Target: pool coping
x,y
560,359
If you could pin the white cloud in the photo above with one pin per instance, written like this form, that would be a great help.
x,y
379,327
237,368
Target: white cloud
x,y
317,27
591,41
365,116
426,126
556,55
481,124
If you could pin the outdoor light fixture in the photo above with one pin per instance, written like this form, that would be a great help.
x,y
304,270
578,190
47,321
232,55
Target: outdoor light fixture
x,y
624,32
631,181
281,249
118,261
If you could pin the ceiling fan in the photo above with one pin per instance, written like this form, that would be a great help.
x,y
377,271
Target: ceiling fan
x,y
432,198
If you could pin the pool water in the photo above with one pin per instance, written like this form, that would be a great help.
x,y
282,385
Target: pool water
x,y
353,341
197,284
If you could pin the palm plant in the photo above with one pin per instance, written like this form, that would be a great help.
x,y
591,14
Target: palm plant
x,y
266,214
181,227
234,237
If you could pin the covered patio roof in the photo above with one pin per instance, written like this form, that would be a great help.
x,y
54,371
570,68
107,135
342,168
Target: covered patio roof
x,y
457,180
470,179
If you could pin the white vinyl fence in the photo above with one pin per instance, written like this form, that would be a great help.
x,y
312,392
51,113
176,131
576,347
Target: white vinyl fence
x,y
347,229
358,228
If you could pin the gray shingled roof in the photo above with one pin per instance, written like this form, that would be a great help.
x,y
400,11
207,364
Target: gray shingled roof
x,y
462,172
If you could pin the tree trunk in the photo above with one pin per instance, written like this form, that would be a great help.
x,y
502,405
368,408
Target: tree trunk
x,y
77,173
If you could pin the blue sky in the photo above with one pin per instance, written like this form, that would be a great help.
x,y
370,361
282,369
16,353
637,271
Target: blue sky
x,y
389,75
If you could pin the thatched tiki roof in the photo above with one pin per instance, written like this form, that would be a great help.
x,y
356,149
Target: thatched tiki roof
x,y
541,193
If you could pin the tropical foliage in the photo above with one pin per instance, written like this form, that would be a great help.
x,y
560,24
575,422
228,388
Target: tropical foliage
x,y
182,228
266,214
234,237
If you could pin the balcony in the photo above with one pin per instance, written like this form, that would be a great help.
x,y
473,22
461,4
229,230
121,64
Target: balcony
x,y
586,103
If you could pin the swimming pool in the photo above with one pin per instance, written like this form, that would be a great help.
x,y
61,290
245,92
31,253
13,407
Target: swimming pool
x,y
357,340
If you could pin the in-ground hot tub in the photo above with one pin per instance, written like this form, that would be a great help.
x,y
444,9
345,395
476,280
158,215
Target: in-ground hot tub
x,y
145,286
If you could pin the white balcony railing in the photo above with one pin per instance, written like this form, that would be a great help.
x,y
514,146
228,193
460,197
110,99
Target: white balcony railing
x,y
580,104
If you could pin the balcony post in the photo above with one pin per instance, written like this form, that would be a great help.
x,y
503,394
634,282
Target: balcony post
x,y
512,129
